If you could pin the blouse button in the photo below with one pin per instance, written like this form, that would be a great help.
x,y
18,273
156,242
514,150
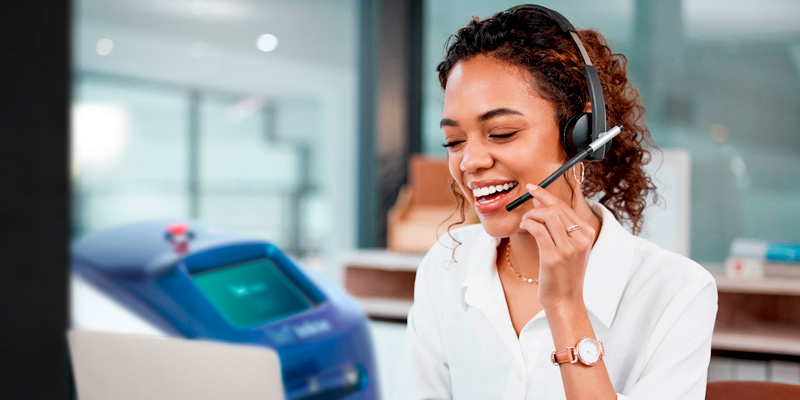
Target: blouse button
x,y
520,376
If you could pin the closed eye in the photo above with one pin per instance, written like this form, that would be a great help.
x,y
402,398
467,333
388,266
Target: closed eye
x,y
503,135
453,143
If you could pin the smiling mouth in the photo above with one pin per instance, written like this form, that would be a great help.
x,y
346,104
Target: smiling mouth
x,y
489,194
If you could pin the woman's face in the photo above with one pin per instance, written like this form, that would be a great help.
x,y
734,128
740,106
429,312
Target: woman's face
x,y
501,135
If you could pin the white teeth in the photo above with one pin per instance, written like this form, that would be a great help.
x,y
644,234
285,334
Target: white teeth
x,y
487,190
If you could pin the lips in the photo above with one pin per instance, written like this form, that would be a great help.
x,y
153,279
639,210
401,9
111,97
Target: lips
x,y
490,196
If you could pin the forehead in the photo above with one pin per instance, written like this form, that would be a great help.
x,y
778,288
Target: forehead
x,y
484,83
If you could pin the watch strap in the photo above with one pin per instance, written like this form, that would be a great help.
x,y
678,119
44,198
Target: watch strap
x,y
564,356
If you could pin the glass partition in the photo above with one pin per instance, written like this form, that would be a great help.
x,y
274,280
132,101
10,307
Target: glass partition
x,y
130,159
234,113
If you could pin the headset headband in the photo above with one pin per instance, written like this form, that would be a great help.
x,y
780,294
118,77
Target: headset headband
x,y
596,98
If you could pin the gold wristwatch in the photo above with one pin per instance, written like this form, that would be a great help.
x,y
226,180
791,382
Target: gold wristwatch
x,y
588,351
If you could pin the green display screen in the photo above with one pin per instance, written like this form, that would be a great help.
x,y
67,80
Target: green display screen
x,y
253,293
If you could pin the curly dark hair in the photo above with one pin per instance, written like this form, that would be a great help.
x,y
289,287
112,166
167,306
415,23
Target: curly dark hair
x,y
528,38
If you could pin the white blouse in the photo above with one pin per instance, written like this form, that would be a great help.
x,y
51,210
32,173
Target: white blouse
x,y
654,311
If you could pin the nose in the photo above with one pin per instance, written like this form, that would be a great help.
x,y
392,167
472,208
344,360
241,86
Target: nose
x,y
476,157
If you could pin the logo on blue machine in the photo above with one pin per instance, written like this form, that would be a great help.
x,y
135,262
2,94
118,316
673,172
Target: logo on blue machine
x,y
311,328
281,336
286,334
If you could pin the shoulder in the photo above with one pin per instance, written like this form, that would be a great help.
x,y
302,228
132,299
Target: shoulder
x,y
669,271
670,298
649,269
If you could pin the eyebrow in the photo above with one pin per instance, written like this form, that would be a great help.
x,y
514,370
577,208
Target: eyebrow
x,y
483,117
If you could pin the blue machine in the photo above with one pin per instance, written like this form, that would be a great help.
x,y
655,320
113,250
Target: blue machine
x,y
204,282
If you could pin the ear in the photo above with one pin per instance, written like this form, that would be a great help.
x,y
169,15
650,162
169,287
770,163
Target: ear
x,y
588,107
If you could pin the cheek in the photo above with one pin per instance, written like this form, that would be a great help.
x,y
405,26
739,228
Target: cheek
x,y
539,156
454,165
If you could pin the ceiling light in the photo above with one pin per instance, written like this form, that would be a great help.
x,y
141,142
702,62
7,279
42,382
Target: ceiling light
x,y
267,42
104,46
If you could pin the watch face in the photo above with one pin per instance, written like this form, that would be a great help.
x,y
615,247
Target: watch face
x,y
588,351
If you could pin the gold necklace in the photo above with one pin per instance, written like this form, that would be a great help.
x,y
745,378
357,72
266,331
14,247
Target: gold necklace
x,y
508,259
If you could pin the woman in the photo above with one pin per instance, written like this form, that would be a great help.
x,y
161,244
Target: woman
x,y
554,299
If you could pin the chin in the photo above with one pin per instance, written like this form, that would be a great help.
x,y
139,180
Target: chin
x,y
500,227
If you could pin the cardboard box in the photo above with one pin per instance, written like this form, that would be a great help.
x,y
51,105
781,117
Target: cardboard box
x,y
425,207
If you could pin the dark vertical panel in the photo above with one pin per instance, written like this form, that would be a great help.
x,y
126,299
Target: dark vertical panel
x,y
415,53
368,44
34,197
390,109
393,107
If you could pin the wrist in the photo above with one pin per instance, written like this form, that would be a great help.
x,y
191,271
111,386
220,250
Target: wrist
x,y
566,308
569,321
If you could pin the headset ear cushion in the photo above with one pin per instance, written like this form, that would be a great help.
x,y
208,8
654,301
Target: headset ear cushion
x,y
576,134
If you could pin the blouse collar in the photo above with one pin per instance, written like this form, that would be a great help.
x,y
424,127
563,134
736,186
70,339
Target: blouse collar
x,y
606,273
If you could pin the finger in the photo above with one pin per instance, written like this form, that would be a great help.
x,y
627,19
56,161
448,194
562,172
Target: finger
x,y
539,231
583,236
548,199
569,216
554,220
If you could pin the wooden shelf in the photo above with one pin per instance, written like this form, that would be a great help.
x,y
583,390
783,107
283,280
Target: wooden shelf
x,y
382,281
768,286
757,316
382,259
765,338
385,308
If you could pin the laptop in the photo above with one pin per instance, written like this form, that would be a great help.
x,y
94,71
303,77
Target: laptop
x,y
110,365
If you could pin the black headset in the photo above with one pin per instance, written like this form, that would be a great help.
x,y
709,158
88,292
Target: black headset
x,y
581,128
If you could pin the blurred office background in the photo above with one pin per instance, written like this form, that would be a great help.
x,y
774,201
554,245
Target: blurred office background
x,y
247,114
292,120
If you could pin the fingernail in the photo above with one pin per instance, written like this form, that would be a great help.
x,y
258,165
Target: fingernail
x,y
531,187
